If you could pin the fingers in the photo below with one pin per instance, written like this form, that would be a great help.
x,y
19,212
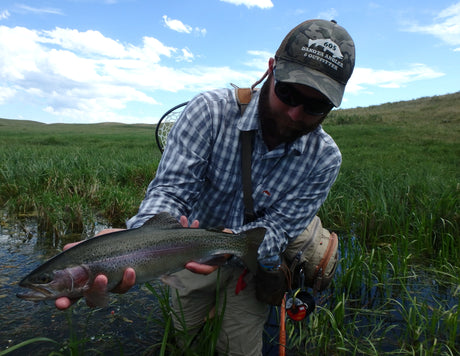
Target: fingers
x,y
99,289
184,222
199,268
99,286
63,303
72,244
100,282
129,279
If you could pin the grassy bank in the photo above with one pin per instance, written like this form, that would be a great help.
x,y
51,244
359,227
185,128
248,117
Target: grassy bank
x,y
395,205
70,176
400,174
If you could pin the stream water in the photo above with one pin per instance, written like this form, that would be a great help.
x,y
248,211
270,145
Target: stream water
x,y
126,326
132,324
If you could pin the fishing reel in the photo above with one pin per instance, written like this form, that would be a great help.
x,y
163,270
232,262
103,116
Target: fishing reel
x,y
299,305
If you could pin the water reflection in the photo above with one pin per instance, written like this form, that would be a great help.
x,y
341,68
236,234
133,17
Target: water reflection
x,y
125,326
381,302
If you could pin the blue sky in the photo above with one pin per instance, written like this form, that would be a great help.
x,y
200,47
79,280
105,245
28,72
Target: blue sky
x,y
86,61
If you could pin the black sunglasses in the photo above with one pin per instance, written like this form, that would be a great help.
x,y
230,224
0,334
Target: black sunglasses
x,y
292,97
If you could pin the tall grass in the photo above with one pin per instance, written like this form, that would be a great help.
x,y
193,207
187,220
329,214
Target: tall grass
x,y
395,206
71,176
382,303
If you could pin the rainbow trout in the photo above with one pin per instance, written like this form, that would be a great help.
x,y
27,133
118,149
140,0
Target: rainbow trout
x,y
158,248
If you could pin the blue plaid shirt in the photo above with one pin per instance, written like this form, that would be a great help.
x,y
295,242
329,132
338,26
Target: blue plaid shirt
x,y
199,175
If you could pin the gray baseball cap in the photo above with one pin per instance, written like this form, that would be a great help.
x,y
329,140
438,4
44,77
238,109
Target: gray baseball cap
x,y
319,54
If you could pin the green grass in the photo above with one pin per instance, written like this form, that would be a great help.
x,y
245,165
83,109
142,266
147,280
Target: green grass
x,y
395,206
70,176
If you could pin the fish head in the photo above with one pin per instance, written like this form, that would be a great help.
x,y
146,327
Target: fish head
x,y
51,284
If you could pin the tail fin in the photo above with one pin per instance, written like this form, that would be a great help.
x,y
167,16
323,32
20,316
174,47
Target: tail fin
x,y
254,238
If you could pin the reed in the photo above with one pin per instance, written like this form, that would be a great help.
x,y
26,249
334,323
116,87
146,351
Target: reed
x,y
395,206
73,176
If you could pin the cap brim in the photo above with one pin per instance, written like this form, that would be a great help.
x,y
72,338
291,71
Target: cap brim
x,y
287,71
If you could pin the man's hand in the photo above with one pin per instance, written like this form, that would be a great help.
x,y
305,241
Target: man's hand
x,y
101,281
196,267
200,268
184,222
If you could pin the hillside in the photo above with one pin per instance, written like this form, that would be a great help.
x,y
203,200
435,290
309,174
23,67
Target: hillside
x,y
440,109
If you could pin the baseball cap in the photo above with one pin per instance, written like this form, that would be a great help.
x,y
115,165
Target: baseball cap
x,y
319,54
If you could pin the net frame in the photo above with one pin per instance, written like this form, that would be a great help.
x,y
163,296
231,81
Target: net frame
x,y
166,123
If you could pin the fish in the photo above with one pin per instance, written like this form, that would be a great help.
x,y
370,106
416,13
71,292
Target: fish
x,y
157,249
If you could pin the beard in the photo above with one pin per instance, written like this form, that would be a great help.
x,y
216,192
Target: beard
x,y
278,125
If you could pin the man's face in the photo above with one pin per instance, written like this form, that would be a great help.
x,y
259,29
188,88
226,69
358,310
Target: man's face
x,y
286,122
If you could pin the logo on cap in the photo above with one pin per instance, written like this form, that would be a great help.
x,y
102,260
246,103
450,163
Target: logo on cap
x,y
324,51
328,46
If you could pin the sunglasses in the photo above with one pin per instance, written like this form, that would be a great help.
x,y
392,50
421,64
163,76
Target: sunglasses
x,y
292,97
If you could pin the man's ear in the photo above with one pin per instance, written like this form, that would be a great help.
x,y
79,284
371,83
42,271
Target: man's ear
x,y
271,64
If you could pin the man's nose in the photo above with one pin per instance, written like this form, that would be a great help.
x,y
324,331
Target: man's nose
x,y
296,113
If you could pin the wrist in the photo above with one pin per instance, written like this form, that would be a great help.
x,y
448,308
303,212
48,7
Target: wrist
x,y
270,263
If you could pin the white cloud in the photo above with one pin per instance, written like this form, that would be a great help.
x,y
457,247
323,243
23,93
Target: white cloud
x,y
151,51
364,78
176,25
85,76
88,42
446,26
263,4
187,55
6,94
4,14
179,26
259,60
36,10
200,31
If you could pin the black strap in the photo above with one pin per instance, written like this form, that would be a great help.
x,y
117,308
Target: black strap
x,y
243,97
246,153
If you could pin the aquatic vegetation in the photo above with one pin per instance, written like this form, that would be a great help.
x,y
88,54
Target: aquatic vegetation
x,y
395,206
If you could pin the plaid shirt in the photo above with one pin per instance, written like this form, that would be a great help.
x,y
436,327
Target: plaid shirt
x,y
199,175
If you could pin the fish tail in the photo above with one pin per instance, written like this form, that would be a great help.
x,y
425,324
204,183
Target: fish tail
x,y
254,238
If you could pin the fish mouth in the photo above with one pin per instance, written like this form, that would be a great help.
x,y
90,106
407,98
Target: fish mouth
x,y
37,293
